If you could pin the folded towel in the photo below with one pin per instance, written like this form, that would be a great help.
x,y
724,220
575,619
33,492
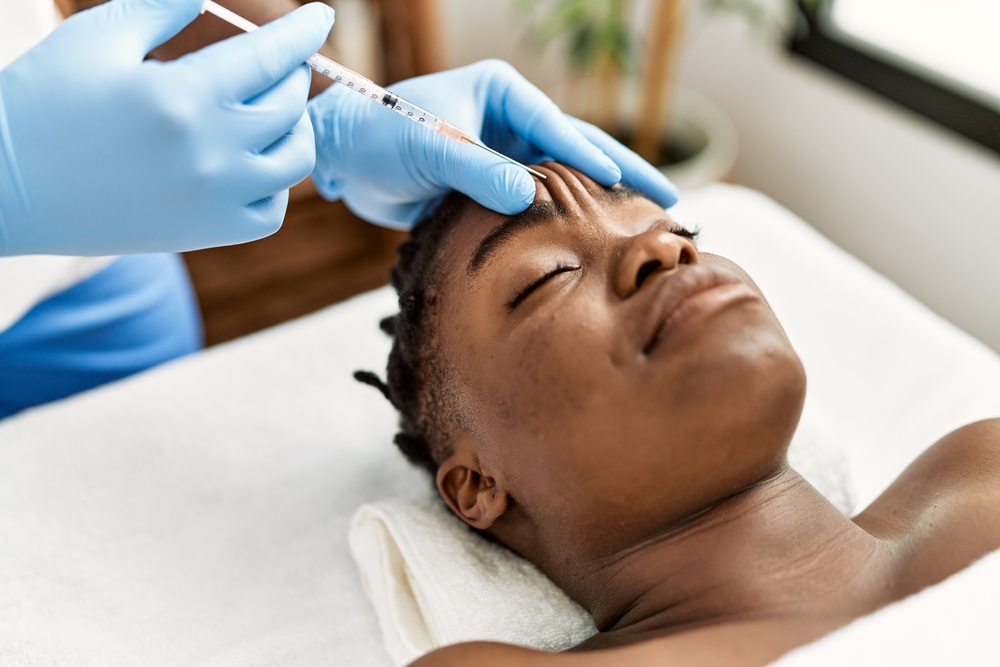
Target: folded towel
x,y
818,454
433,581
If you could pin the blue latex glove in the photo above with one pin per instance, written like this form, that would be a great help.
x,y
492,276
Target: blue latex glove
x,y
392,171
103,153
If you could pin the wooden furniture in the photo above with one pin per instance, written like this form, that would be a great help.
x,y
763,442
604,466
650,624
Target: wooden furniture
x,y
321,255
412,37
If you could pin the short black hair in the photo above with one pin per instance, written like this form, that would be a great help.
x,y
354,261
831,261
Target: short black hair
x,y
414,381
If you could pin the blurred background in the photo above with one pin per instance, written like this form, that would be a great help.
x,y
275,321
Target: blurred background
x,y
877,121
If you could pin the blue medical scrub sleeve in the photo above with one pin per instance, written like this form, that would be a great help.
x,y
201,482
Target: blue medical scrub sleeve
x,y
138,312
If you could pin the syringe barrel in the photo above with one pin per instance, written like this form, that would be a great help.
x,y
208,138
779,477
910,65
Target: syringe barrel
x,y
369,88
355,81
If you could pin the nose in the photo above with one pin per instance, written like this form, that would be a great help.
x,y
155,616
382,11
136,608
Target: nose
x,y
649,253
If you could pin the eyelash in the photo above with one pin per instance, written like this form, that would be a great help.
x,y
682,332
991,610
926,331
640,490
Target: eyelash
x,y
526,292
685,232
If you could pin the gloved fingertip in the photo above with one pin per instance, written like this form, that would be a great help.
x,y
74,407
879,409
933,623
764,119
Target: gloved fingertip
x,y
666,193
509,190
319,14
612,172
521,191
675,195
329,14
591,160
580,153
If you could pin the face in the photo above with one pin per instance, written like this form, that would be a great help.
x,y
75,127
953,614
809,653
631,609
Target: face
x,y
609,379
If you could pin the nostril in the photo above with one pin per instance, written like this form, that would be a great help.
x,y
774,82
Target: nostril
x,y
646,270
685,257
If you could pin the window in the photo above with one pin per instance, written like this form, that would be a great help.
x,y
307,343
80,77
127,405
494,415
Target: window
x,y
939,58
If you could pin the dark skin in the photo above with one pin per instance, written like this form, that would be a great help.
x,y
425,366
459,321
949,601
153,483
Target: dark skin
x,y
624,427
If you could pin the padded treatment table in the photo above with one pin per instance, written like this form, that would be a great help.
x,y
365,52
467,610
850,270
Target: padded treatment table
x,y
196,515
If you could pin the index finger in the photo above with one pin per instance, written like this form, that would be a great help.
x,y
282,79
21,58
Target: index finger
x,y
636,172
530,113
246,65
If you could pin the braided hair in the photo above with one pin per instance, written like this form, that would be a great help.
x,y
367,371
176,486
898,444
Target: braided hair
x,y
414,377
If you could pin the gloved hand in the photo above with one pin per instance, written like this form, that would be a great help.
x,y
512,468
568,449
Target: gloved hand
x,y
103,153
392,171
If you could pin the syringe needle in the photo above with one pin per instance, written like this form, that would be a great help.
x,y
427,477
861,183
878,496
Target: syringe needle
x,y
511,160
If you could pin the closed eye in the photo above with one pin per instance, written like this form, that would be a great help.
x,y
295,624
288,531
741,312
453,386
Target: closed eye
x,y
526,292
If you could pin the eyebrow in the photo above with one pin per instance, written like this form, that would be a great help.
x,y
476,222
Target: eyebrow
x,y
538,213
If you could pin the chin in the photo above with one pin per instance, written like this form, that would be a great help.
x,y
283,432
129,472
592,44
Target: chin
x,y
774,382
750,377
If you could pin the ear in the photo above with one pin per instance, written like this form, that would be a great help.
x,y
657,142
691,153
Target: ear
x,y
470,493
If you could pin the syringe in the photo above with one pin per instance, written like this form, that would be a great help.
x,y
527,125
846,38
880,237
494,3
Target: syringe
x,y
371,90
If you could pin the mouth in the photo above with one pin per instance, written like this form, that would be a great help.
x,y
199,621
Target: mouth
x,y
692,295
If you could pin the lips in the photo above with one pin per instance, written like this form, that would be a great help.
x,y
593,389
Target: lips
x,y
693,292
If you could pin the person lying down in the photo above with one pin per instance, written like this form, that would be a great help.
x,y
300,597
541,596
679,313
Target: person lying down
x,y
596,394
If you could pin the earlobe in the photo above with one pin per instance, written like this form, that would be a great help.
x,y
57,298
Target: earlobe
x,y
470,494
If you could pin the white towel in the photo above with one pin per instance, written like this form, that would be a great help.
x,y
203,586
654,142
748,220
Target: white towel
x,y
433,581
819,454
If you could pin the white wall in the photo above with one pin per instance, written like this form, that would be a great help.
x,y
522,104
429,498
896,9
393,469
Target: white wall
x,y
915,201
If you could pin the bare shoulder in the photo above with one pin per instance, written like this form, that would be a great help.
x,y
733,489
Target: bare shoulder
x,y
746,644
489,654
947,503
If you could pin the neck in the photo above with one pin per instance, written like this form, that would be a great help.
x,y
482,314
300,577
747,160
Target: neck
x,y
778,549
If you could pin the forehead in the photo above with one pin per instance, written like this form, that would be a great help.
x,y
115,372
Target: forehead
x,y
579,202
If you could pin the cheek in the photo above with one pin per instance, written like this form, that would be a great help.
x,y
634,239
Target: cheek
x,y
740,390
532,390
559,400
558,364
